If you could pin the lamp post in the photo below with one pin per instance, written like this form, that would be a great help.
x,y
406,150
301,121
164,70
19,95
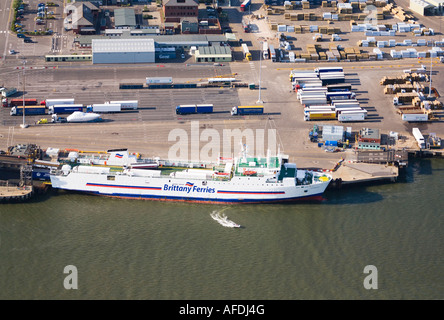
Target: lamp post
x,y
23,125
260,71
430,83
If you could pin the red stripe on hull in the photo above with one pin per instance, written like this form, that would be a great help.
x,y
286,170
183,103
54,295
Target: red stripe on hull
x,y
317,198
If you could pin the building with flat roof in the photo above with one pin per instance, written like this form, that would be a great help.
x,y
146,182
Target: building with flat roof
x,y
369,139
123,51
427,7
213,54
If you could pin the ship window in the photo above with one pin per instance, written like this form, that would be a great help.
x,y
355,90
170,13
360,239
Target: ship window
x,y
112,178
305,190
204,183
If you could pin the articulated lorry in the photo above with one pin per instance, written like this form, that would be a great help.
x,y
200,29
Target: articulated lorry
x,y
194,108
29,110
247,110
65,108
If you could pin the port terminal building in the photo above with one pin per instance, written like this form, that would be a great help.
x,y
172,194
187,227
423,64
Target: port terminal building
x,y
125,48
123,51
427,7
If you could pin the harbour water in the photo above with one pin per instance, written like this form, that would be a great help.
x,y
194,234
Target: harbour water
x,y
130,249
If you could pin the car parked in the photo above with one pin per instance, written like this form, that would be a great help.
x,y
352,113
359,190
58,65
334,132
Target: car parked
x,y
27,40
12,51
20,35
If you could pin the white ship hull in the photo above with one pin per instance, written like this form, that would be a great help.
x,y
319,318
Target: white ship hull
x,y
236,190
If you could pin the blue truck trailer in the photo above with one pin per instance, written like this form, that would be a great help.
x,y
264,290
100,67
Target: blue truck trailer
x,y
247,110
194,108
65,108
30,110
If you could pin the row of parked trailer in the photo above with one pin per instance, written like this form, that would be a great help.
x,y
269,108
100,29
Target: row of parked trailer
x,y
324,75
64,106
184,109
342,110
326,100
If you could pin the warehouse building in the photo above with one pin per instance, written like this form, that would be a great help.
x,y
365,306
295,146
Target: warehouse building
x,y
213,54
182,42
123,51
427,7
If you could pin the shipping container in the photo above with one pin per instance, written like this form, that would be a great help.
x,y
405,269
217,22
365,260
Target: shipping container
x,y
52,102
413,117
328,69
126,105
339,87
19,102
104,108
152,80
348,117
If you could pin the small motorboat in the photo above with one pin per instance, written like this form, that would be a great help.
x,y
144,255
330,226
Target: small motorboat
x,y
223,220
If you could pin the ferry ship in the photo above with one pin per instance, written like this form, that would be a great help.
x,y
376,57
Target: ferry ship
x,y
235,180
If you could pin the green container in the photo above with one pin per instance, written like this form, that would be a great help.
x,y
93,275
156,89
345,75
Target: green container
x,y
252,86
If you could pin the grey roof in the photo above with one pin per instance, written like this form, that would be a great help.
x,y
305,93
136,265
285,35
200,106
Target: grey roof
x,y
124,17
370,133
122,45
214,50
183,39
176,3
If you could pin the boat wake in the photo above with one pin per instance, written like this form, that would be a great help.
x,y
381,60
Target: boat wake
x,y
223,220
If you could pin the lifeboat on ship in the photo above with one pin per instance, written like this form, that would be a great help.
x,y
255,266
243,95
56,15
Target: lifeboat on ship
x,y
249,173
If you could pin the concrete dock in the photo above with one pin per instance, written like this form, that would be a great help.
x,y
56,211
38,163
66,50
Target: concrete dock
x,y
15,193
350,173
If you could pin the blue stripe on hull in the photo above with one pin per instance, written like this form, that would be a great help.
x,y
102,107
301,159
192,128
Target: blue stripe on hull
x,y
207,200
